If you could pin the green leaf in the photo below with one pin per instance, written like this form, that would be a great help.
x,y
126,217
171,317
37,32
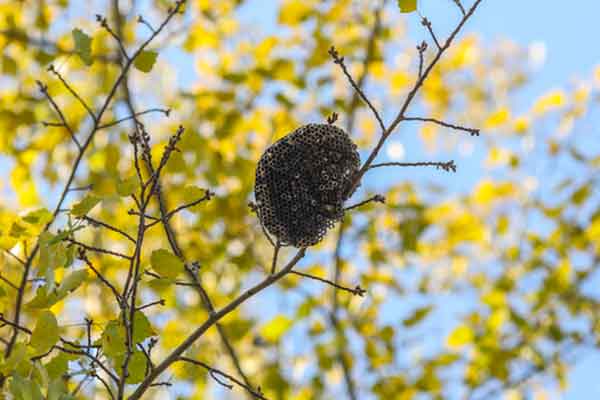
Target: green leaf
x,y
25,389
16,230
57,390
72,281
38,217
166,263
137,367
407,6
418,315
145,60
9,65
45,334
142,328
17,358
42,298
58,366
85,206
273,330
113,339
83,46
127,187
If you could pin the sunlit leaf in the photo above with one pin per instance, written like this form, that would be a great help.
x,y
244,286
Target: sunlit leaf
x,y
273,330
83,46
166,263
407,6
460,337
85,205
127,187
145,60
45,334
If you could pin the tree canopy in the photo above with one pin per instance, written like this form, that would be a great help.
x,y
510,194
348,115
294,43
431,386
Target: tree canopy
x,y
133,260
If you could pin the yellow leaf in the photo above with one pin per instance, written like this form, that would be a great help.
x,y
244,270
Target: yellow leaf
x,y
460,337
293,12
399,81
550,101
497,118
407,6
521,124
276,328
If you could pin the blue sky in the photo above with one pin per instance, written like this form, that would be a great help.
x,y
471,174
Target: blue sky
x,y
568,31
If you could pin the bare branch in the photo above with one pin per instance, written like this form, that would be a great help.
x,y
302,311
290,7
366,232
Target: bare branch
x,y
141,20
377,198
212,320
275,254
44,89
83,257
165,111
72,91
460,6
357,291
95,223
13,255
214,373
471,131
340,61
154,303
411,95
97,249
207,196
426,23
446,166
8,282
421,48
104,23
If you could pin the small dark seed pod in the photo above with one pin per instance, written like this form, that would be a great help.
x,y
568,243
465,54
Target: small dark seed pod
x,y
302,181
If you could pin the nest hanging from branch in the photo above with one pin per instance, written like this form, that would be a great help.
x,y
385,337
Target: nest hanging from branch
x,y
302,181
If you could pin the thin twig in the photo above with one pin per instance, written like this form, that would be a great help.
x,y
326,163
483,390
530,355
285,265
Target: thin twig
x,y
82,256
8,282
426,23
214,372
357,291
154,303
141,20
448,166
166,111
421,49
471,131
377,198
72,91
340,61
95,223
104,23
460,6
275,254
13,255
207,196
44,89
97,249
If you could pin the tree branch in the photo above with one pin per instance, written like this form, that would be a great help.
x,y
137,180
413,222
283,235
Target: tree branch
x,y
212,320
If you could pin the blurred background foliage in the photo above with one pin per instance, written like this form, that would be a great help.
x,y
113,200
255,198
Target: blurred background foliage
x,y
477,293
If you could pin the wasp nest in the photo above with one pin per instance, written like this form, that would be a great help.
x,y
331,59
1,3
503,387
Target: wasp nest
x,y
302,181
